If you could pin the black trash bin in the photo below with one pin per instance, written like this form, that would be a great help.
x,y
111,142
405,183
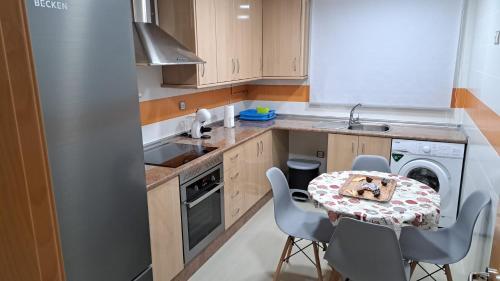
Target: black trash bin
x,y
300,173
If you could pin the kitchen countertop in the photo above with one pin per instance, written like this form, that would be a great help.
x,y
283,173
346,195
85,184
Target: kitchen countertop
x,y
226,138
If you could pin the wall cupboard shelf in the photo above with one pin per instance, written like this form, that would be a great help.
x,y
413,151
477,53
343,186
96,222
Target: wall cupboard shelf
x,y
286,39
241,40
342,149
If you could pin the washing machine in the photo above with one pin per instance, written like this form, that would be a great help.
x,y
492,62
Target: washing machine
x,y
436,164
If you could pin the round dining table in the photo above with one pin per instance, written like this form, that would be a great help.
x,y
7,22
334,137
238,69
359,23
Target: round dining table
x,y
413,203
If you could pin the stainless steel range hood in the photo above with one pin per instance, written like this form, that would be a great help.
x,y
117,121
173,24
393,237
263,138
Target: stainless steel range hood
x,y
153,46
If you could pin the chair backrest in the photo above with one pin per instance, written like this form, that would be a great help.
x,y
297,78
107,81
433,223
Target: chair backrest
x,y
371,163
463,229
285,210
365,252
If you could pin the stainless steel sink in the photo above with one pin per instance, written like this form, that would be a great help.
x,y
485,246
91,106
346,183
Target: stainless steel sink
x,y
331,125
370,127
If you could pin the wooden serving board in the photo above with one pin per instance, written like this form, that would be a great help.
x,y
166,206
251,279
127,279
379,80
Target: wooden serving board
x,y
354,182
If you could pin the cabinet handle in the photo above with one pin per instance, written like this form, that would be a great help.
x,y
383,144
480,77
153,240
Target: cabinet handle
x,y
258,149
235,194
203,70
261,147
236,212
352,147
234,65
234,157
295,64
238,61
235,176
363,148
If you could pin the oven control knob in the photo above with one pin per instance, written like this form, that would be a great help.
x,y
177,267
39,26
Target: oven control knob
x,y
426,149
212,178
196,188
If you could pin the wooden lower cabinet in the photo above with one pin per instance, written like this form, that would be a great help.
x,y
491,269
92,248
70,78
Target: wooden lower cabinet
x,y
343,149
375,146
166,230
245,181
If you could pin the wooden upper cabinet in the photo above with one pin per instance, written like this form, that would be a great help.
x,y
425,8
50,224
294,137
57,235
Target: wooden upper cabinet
x,y
226,64
256,39
206,48
239,39
248,36
227,34
285,39
193,24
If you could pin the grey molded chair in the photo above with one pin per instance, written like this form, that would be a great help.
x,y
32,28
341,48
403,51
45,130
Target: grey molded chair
x,y
371,163
363,251
296,222
446,245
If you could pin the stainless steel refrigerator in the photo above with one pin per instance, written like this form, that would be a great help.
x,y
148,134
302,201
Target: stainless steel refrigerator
x,y
85,67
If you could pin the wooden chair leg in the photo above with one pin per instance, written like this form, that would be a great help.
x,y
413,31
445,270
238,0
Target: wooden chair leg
x,y
289,252
318,262
288,244
447,271
335,276
413,265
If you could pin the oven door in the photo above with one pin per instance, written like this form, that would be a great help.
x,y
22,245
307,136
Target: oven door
x,y
202,221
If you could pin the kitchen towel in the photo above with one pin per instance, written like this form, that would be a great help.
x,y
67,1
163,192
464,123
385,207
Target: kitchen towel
x,y
229,116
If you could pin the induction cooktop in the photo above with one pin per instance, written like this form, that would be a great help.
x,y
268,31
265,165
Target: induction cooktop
x,y
173,155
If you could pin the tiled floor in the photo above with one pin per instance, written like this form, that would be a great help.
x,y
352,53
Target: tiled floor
x,y
252,255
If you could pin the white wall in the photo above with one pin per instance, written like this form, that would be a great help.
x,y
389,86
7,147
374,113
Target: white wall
x,y
480,72
149,80
480,58
449,116
442,116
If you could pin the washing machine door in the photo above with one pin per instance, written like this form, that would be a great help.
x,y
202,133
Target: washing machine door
x,y
430,173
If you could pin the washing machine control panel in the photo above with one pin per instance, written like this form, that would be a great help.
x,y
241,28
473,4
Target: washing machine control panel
x,y
436,149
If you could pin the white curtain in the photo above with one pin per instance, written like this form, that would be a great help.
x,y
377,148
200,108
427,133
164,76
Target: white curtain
x,y
389,53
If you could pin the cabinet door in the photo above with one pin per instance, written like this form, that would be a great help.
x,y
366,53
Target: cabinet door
x,y
256,39
166,230
233,194
342,149
266,162
206,41
375,146
243,36
282,37
226,63
252,167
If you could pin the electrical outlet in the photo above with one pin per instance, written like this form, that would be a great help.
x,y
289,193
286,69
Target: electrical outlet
x,y
497,38
320,154
182,105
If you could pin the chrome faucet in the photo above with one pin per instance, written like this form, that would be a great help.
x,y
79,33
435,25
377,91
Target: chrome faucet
x,y
352,120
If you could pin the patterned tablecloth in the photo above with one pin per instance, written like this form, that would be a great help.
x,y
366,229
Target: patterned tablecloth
x,y
413,203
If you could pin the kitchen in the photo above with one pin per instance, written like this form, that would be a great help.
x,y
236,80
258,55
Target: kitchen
x,y
141,137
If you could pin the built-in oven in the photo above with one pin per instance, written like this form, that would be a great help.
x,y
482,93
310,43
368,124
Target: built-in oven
x,y
202,203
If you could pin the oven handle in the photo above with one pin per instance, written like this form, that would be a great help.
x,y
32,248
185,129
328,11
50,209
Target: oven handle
x,y
205,196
